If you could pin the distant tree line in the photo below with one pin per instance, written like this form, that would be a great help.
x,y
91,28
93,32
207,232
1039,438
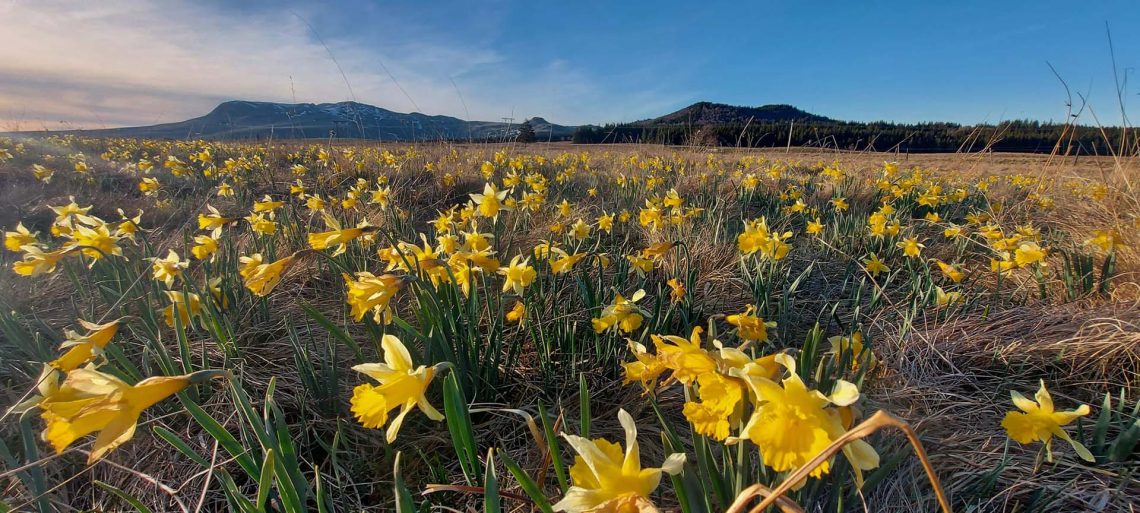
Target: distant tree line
x,y
1014,136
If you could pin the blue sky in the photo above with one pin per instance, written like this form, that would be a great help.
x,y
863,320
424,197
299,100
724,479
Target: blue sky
x,y
70,64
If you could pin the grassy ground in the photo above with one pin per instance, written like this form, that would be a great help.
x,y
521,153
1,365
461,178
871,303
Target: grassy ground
x,y
944,365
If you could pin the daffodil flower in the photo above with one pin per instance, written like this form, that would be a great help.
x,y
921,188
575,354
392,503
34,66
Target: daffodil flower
x,y
371,293
337,236
260,278
36,261
606,480
623,314
750,327
519,275
791,423
401,386
686,358
1038,421
491,201
90,401
168,269
84,348
17,239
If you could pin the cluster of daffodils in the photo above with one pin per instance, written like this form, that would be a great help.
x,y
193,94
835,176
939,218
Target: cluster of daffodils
x,y
735,397
80,234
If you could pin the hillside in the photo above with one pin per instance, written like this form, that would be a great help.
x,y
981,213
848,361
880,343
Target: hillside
x,y
253,120
708,113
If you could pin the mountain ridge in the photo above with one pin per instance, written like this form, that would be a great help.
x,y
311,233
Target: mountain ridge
x,y
250,119
247,119
712,113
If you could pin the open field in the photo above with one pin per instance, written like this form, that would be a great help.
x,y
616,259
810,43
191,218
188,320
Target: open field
x,y
286,321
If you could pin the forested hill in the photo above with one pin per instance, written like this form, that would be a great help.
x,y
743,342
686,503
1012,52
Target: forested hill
x,y
705,124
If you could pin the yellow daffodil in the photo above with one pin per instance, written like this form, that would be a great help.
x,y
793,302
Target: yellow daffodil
x,y
260,278
943,298
128,226
371,293
911,247
640,265
949,271
677,288
36,261
757,238
178,305
853,346
19,238
212,220
204,247
90,401
42,173
580,230
1038,421
337,236
148,186
85,348
1106,240
659,250
645,369
267,206
622,314
170,268
517,313
606,222
564,263
261,224
685,358
750,327
401,386
1029,253
608,481
791,423
491,201
518,275
95,242
719,397
814,227
875,266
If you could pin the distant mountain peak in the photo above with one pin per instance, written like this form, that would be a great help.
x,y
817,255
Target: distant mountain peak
x,y
244,119
708,113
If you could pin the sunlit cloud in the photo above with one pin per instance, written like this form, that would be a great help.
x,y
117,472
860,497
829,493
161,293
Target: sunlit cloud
x,y
137,62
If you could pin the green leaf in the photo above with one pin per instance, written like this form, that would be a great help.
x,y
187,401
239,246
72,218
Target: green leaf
x,y
224,438
1125,443
333,329
583,406
462,434
180,445
552,446
126,497
265,482
491,502
404,502
237,501
1100,432
527,484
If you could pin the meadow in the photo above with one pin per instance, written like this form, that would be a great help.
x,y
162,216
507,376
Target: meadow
x,y
328,326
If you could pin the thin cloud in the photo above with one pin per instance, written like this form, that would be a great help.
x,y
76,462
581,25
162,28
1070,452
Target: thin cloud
x,y
68,65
